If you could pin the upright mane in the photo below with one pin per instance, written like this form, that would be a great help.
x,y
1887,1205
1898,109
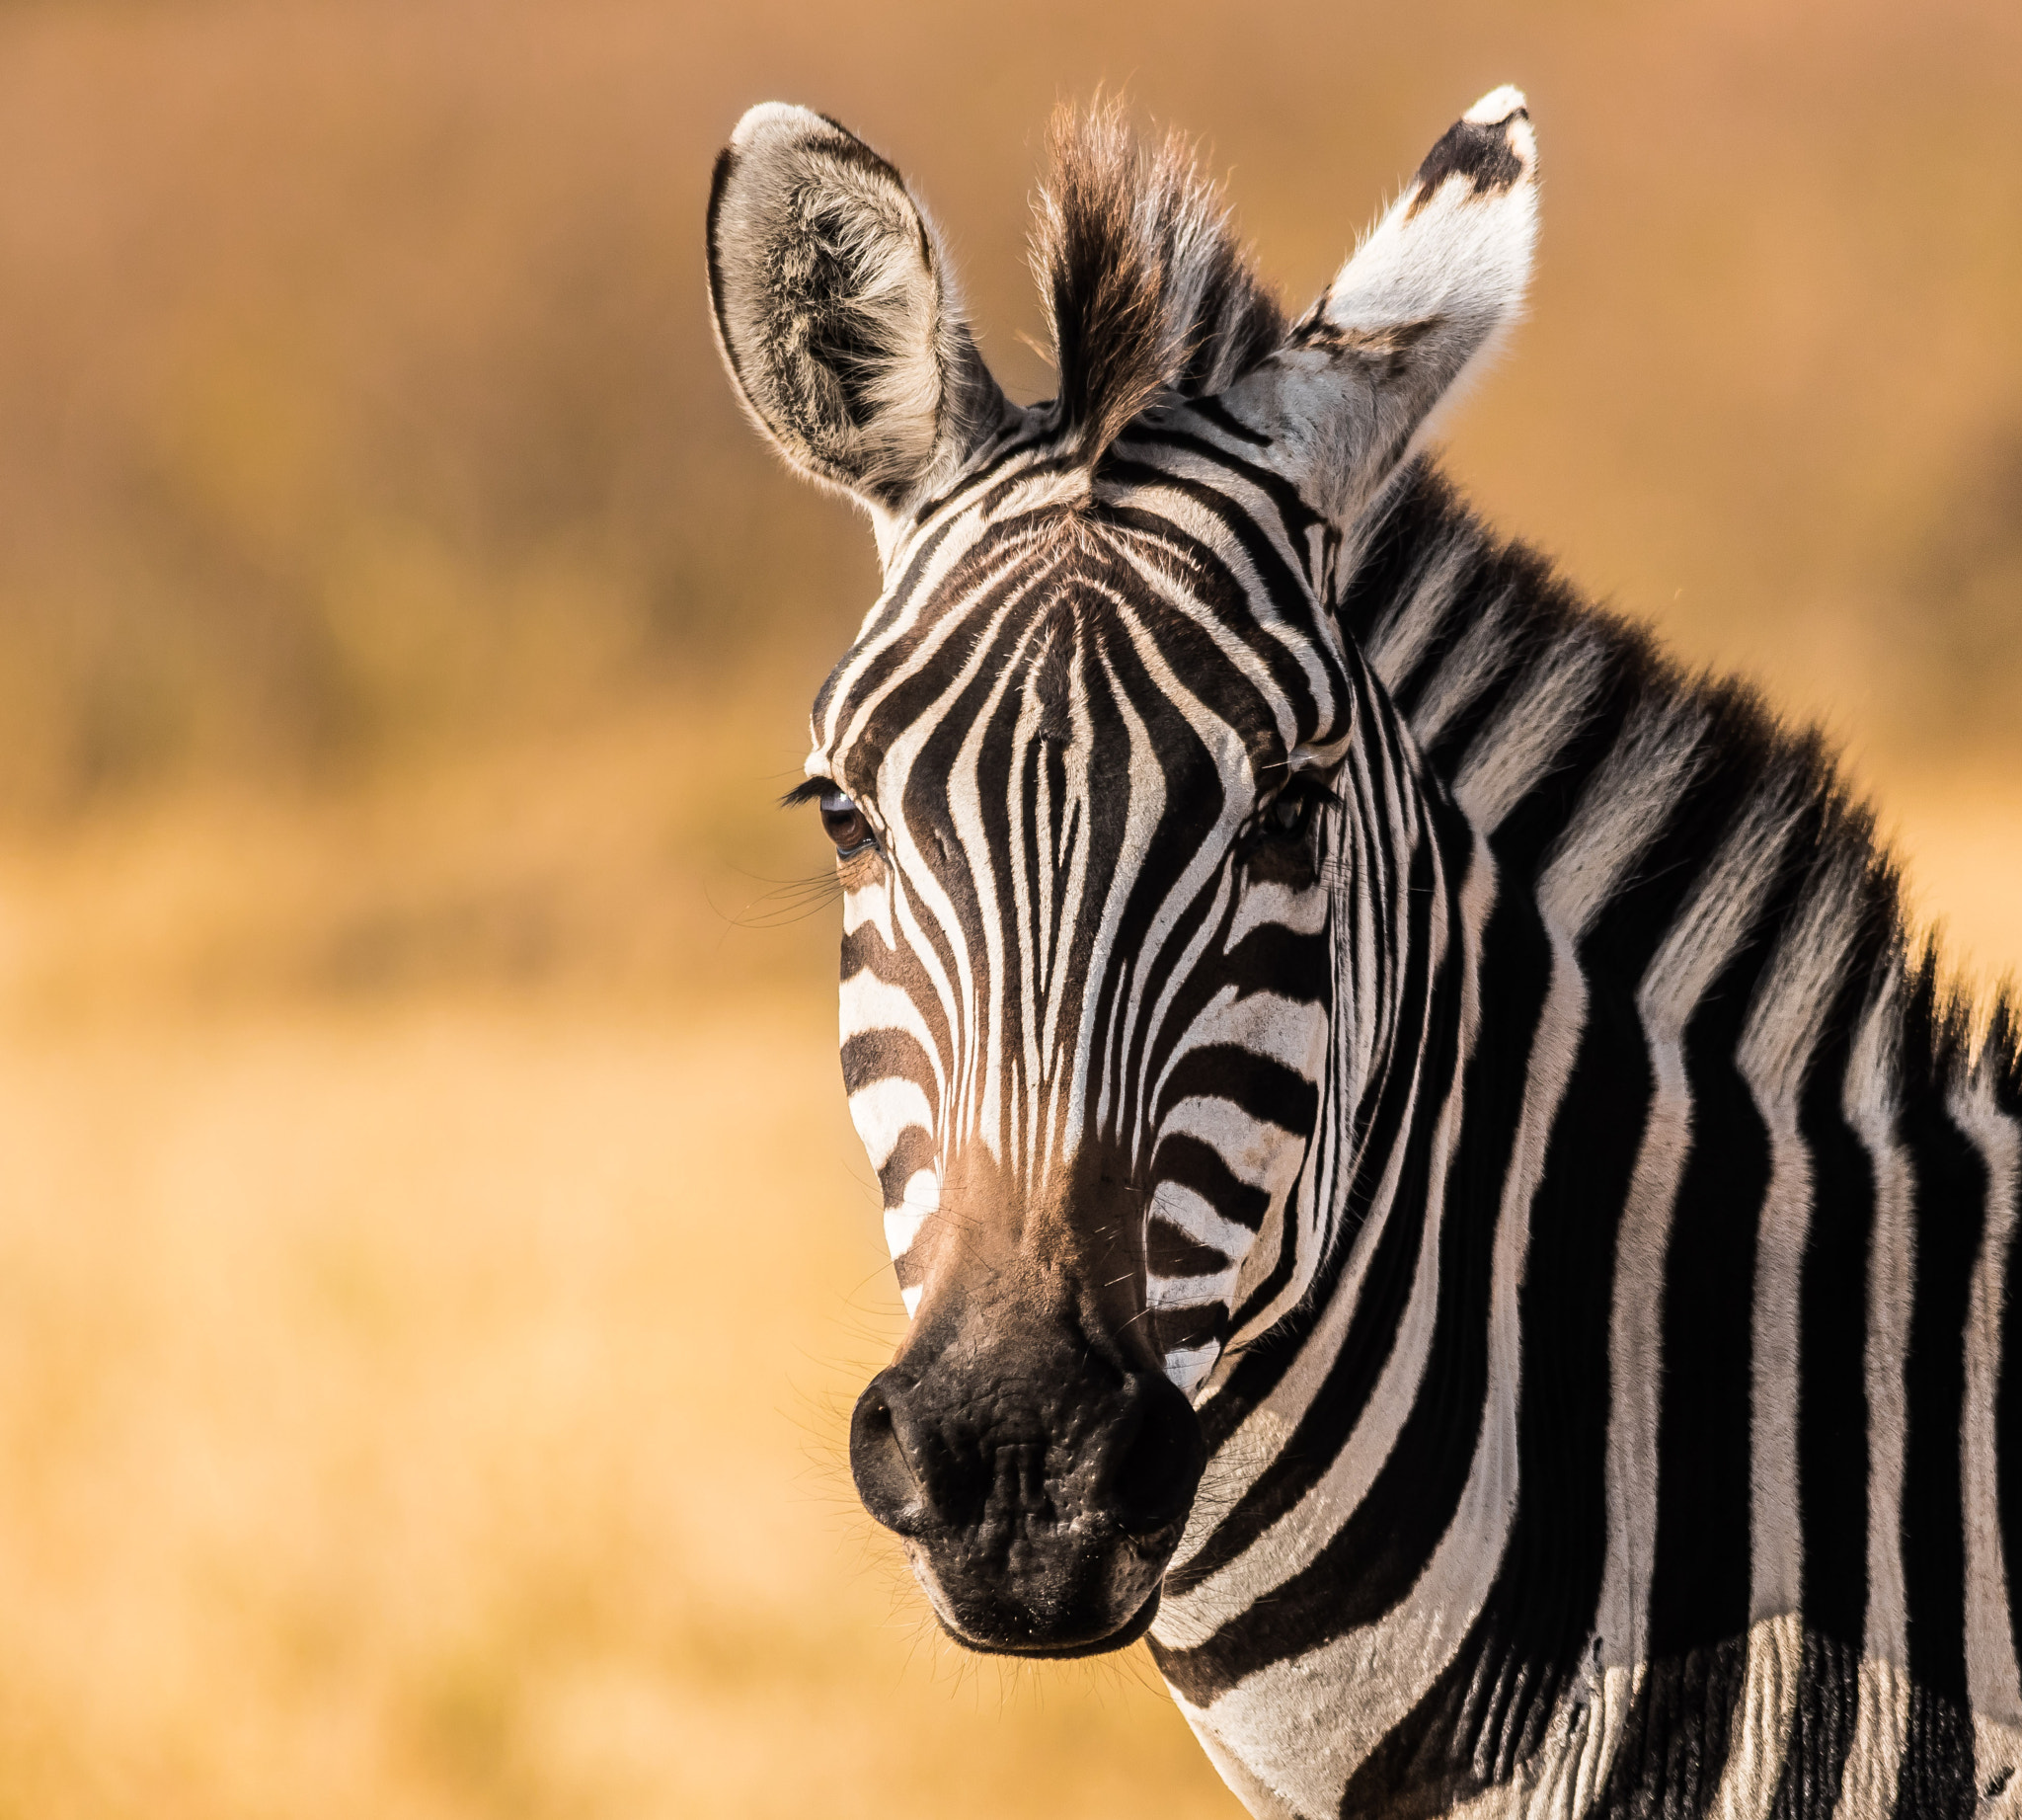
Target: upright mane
x,y
1486,650
1148,290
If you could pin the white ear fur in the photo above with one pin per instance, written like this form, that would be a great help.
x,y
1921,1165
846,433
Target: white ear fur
x,y
835,315
1427,296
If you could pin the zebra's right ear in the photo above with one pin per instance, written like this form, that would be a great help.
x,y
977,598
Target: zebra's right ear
x,y
1424,298
835,313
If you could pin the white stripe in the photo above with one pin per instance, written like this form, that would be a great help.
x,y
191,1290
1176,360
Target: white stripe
x,y
1774,1056
1510,757
1761,1732
1162,1292
918,1201
1186,1365
1881,1721
884,1110
1994,1681
1191,1212
1395,647
1264,904
870,905
1873,1771
1871,1106
867,1003
1477,658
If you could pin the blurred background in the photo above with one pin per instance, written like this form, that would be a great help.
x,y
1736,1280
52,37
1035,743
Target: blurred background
x,y
434,1262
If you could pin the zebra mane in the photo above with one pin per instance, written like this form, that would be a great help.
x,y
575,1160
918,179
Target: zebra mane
x,y
1484,647
1147,290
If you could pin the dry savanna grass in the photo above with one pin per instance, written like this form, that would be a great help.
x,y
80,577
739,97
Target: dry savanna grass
x,y
435,1412
435,1261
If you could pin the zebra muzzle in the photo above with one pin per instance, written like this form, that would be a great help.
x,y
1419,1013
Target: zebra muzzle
x,y
1038,1504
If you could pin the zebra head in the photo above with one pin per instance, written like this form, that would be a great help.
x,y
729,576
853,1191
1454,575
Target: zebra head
x,y
1110,795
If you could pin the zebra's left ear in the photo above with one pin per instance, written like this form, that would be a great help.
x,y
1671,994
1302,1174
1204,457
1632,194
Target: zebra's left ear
x,y
835,313
1427,296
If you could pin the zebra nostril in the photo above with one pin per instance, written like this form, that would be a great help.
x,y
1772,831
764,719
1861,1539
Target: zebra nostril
x,y
885,1478
1155,1458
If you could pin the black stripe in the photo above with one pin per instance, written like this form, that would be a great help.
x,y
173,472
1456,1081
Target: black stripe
x,y
1170,1251
1937,1780
913,1152
869,1055
1224,419
1821,1728
1699,1573
1187,1161
1675,1736
1260,1086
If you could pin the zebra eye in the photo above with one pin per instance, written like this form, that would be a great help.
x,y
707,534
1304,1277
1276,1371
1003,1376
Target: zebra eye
x,y
844,824
1287,816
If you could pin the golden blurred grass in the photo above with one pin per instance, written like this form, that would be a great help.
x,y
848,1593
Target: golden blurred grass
x,y
434,1262
435,1412
357,400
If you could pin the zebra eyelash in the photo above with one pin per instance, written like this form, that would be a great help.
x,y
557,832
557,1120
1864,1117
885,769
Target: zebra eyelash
x,y
833,799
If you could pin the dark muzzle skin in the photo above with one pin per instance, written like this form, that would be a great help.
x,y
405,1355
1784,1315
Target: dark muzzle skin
x,y
1039,1476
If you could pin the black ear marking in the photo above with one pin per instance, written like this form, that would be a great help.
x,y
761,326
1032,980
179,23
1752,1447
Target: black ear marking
x,y
1479,151
1385,350
1427,296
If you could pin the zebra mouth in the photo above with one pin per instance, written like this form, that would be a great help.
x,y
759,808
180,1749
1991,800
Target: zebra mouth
x,y
1123,1637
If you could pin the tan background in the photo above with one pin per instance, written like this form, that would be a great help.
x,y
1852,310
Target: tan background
x,y
435,1264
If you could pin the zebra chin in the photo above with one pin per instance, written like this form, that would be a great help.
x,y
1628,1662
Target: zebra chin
x,y
1039,1489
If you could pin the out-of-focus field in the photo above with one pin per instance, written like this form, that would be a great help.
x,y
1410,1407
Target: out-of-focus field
x,y
436,1413
435,1263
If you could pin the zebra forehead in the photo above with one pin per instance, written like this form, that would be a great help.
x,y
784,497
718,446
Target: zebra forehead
x,y
1065,649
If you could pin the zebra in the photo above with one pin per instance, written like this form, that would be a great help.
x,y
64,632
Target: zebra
x,y
1427,1176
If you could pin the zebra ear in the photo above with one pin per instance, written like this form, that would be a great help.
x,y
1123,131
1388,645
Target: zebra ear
x,y
835,314
1427,296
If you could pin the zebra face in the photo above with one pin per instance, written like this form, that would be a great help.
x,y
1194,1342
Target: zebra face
x,y
1083,770
1083,826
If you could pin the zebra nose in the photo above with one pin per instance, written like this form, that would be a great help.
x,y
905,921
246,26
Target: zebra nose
x,y
880,1460
1153,1458
1138,1468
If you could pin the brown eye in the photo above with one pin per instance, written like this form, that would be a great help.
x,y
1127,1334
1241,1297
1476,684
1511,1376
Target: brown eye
x,y
845,825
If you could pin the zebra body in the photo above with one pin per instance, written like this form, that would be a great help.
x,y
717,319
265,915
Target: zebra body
x,y
1425,1176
